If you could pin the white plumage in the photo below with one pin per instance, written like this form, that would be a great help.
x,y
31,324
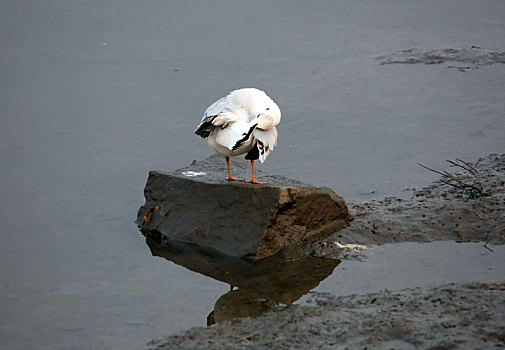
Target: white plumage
x,y
242,122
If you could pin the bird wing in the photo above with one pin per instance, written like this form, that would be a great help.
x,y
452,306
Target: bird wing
x,y
224,111
221,113
236,135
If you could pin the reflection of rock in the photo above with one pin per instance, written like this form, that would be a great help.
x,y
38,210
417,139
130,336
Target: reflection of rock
x,y
262,284
197,205
241,303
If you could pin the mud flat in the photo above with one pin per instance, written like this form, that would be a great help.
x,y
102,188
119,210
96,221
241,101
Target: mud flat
x,y
462,59
454,315
435,213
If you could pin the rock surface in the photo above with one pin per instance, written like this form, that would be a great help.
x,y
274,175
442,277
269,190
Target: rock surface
x,y
196,204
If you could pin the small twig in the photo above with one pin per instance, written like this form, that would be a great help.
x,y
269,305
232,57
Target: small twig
x,y
435,171
475,189
485,246
470,169
474,171
493,237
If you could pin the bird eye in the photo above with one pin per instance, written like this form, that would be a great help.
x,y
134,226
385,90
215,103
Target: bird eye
x,y
267,109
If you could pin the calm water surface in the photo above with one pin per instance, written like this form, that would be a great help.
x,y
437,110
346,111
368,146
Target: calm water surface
x,y
94,95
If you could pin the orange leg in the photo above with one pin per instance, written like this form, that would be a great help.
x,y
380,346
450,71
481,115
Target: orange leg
x,y
230,178
253,181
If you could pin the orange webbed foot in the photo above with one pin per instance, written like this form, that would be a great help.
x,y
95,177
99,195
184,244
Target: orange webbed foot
x,y
229,178
254,181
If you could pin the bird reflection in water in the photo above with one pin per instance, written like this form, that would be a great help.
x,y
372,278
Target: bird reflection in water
x,y
255,286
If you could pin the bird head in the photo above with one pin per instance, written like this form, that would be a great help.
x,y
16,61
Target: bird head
x,y
269,116
260,106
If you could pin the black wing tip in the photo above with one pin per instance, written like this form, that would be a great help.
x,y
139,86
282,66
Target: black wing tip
x,y
202,133
205,128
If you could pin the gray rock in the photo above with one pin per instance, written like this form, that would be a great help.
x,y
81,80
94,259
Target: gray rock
x,y
196,204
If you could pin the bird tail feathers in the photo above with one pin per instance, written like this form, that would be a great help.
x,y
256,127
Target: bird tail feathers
x,y
266,141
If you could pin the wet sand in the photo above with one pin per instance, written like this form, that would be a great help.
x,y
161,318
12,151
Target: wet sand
x,y
453,316
436,212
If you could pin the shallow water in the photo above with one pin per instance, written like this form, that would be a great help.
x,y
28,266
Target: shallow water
x,y
272,283
94,95
410,265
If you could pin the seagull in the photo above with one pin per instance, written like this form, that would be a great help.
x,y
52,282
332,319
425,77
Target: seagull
x,y
242,122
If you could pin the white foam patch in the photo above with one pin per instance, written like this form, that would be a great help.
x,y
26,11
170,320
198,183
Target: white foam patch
x,y
355,247
192,173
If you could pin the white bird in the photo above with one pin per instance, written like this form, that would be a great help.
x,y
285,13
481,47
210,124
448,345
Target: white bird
x,y
242,122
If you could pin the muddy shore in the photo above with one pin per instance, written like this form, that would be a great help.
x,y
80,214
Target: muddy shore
x,y
439,212
453,316
465,315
